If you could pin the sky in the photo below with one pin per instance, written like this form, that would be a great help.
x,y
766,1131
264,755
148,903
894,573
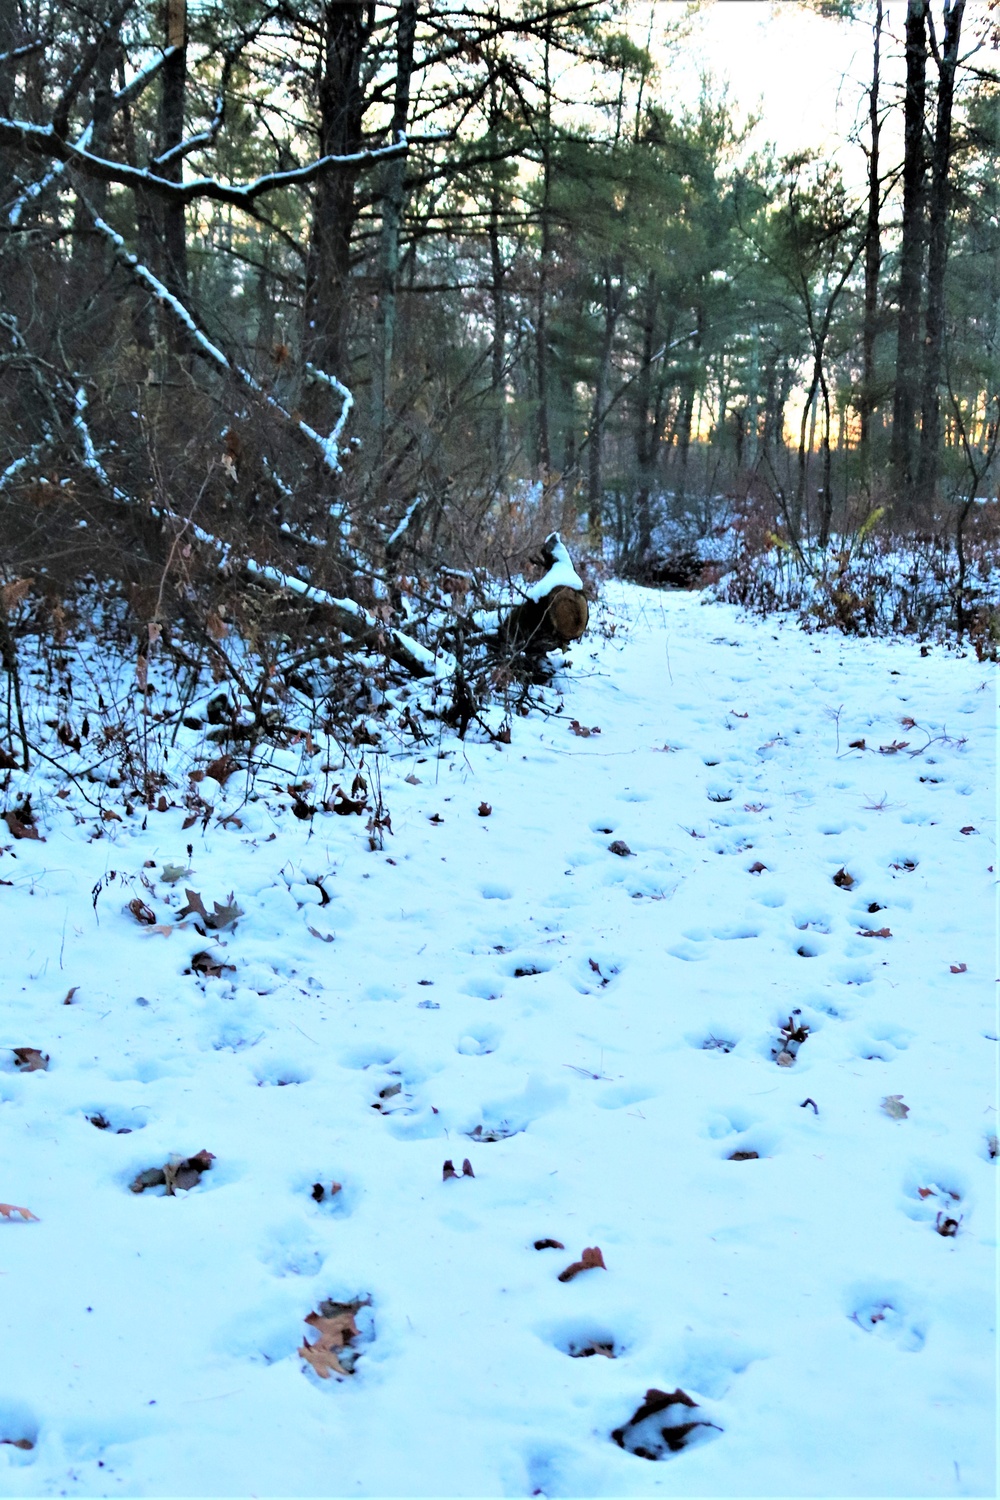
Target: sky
x,y
803,74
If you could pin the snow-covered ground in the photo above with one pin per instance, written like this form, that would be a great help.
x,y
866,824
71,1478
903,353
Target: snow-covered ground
x,y
614,1018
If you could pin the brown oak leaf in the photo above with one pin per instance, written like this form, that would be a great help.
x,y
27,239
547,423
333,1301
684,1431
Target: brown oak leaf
x,y
7,1211
590,1259
30,1060
335,1323
843,879
876,932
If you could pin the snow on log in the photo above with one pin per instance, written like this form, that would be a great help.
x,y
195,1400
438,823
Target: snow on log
x,y
555,610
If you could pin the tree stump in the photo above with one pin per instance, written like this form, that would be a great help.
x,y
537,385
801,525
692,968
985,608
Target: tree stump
x,y
555,612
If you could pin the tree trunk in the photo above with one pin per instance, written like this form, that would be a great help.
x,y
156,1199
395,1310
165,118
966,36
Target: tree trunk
x,y
911,256
595,436
826,503
498,305
392,216
10,37
328,262
645,432
541,315
873,256
937,256
172,228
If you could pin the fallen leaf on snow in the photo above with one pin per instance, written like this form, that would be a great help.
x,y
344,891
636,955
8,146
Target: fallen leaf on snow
x,y
548,1244
756,868
968,829
648,1439
142,912
589,1260
894,748
843,879
582,730
335,1323
877,932
858,745
212,968
7,1210
484,809
222,915
894,1107
177,1174
960,968
619,847
220,770
30,1060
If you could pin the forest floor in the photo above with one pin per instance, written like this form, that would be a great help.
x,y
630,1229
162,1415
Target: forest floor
x,y
638,995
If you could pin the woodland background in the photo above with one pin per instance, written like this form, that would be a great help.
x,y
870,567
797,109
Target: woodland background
x,y
317,316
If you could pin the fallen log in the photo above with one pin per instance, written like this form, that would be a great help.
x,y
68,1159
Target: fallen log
x,y
555,610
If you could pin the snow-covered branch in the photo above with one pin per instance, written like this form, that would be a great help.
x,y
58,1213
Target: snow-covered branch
x,y
326,446
124,96
42,141
332,443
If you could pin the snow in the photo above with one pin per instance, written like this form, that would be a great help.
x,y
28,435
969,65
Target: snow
x,y
561,573
803,1298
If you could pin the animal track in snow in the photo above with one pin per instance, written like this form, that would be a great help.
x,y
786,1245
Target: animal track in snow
x,y
887,1310
288,1251
116,1119
280,1073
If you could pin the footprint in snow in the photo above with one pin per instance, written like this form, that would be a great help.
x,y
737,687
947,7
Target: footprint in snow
x,y
887,1310
18,1430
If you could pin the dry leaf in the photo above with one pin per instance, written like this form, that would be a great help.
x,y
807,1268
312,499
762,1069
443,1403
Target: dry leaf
x,y
13,593
69,995
180,1172
484,809
756,868
7,1210
894,748
655,1442
220,770
894,1106
967,829
19,828
221,915
413,780
590,1259
960,968
335,1323
582,730
345,805
619,847
142,912
843,880
858,745
30,1060
549,1244
212,968
448,1171
876,932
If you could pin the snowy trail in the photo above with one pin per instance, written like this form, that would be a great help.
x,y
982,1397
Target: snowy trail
x,y
598,1032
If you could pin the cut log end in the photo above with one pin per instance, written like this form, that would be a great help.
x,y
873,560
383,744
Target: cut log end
x,y
567,613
